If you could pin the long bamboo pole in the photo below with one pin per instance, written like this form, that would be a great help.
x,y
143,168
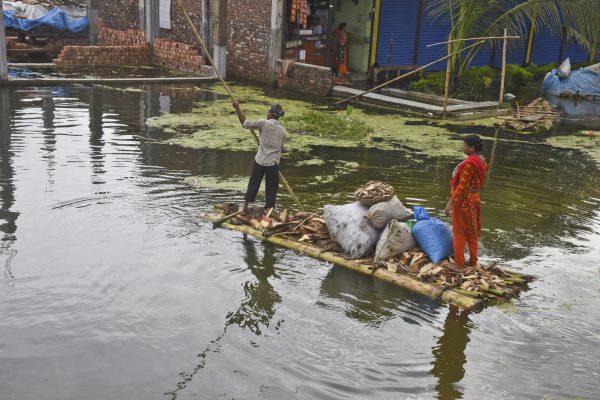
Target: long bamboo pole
x,y
230,93
407,74
447,84
3,56
502,83
477,38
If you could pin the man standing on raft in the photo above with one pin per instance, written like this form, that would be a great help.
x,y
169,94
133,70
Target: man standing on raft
x,y
465,202
271,144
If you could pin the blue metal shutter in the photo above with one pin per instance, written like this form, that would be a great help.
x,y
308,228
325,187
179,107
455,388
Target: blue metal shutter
x,y
397,23
433,31
576,53
546,48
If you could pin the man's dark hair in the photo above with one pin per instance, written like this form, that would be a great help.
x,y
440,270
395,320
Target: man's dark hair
x,y
342,25
277,111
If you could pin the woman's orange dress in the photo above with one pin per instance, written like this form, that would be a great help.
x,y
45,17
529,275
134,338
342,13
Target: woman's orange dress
x,y
466,213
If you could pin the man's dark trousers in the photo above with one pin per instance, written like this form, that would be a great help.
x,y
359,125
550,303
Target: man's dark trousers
x,y
271,186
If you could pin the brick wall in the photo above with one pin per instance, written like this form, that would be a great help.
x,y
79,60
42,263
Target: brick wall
x,y
306,78
104,55
249,26
122,14
181,31
180,56
116,37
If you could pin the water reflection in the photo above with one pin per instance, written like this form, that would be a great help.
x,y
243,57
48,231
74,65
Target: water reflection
x,y
49,143
96,111
260,298
8,217
449,355
256,311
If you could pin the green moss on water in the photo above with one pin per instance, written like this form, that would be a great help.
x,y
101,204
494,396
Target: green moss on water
x,y
231,184
587,142
214,125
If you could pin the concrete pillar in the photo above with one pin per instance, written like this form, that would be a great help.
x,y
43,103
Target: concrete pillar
x,y
3,56
220,36
92,14
276,45
152,18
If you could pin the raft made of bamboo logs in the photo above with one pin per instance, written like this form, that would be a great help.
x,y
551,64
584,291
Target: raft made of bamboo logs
x,y
463,299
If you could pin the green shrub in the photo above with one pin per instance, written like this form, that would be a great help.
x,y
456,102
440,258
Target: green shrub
x,y
540,71
517,76
433,83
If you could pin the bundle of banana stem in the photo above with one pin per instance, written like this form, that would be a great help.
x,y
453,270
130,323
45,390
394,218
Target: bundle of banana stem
x,y
374,192
538,116
479,281
303,227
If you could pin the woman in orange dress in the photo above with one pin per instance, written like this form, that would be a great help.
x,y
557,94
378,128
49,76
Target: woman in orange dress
x,y
465,202
340,46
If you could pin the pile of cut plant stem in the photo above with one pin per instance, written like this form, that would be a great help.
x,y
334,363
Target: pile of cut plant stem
x,y
539,116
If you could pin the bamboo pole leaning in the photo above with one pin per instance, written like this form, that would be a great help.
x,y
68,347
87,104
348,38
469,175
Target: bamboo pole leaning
x,y
230,93
447,84
502,83
407,74
476,38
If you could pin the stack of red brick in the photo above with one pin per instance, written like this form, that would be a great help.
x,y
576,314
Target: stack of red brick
x,y
116,37
178,55
104,55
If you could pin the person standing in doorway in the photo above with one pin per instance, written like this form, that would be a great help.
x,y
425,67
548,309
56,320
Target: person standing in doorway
x,y
340,46
272,138
465,202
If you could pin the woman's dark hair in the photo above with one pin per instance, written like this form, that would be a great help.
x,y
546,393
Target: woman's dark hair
x,y
342,26
475,142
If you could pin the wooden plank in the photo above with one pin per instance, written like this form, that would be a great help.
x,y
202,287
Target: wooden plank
x,y
390,100
424,96
473,106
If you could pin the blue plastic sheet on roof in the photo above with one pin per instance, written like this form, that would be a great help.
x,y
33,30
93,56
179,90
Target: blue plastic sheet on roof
x,y
582,82
56,18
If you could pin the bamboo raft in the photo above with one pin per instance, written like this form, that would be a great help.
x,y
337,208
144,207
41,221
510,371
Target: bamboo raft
x,y
465,299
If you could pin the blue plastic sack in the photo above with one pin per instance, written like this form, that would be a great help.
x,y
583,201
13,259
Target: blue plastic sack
x,y
434,238
421,214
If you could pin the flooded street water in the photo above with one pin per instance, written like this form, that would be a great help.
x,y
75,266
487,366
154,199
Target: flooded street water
x,y
113,288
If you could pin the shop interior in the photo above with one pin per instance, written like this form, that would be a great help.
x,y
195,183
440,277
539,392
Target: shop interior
x,y
309,29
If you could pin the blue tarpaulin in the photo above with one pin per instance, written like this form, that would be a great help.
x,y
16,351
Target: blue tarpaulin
x,y
56,18
583,82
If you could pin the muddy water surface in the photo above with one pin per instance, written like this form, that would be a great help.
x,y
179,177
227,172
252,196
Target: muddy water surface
x,y
113,288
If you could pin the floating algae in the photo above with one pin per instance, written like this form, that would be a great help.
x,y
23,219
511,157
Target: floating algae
x,y
232,184
214,125
587,142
